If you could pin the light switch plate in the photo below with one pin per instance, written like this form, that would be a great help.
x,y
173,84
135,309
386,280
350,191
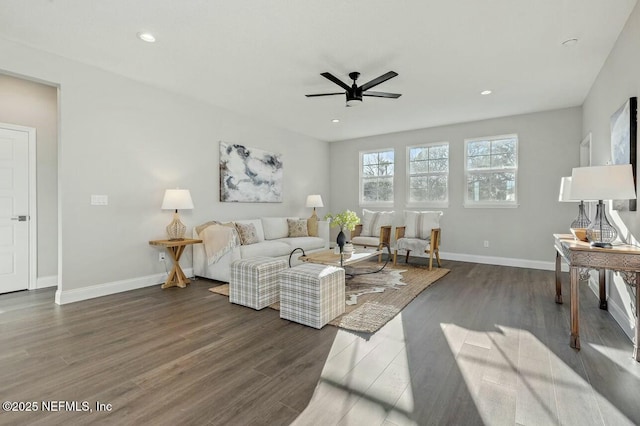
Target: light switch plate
x,y
99,200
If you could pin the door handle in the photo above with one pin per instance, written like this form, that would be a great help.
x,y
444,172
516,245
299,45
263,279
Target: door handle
x,y
20,218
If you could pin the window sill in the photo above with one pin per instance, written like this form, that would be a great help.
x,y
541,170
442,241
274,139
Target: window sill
x,y
490,206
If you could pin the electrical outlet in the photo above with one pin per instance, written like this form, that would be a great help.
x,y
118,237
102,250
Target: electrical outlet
x,y
161,256
486,243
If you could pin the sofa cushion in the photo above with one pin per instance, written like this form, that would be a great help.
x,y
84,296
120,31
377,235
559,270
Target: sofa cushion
x,y
305,243
297,228
372,221
275,227
265,248
247,233
420,224
366,241
257,223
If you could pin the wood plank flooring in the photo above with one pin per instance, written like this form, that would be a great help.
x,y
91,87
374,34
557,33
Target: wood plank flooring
x,y
484,345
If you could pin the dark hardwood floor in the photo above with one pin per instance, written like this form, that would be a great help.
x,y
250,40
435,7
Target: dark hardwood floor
x,y
484,345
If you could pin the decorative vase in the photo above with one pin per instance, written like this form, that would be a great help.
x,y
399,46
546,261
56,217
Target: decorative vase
x,y
341,240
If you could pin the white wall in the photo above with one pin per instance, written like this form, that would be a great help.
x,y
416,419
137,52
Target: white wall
x,y
619,79
31,104
130,141
548,149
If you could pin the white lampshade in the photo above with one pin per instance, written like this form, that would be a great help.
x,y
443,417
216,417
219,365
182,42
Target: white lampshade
x,y
565,190
603,183
314,201
177,199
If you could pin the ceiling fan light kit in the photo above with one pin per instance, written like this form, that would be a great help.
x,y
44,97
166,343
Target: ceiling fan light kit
x,y
354,93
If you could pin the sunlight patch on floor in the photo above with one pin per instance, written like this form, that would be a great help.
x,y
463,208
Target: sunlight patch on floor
x,y
364,381
512,370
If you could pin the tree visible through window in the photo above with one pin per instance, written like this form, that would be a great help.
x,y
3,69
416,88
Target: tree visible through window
x,y
376,177
491,168
428,173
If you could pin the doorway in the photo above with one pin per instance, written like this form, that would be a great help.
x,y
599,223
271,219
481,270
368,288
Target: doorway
x,y
17,208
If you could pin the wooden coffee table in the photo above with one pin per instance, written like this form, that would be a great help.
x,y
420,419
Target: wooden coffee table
x,y
328,257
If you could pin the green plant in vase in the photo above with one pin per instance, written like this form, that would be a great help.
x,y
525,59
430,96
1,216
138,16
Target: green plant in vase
x,y
345,220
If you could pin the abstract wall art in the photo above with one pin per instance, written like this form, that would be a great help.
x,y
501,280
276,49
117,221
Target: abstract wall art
x,y
624,129
249,175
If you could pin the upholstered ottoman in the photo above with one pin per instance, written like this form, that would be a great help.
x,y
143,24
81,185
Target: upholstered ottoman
x,y
254,281
311,294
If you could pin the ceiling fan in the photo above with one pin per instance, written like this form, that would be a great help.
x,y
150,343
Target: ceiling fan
x,y
355,93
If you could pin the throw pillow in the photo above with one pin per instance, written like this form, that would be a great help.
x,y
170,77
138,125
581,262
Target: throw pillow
x,y
248,234
372,221
297,227
420,224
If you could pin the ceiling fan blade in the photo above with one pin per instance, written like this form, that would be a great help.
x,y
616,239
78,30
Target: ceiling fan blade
x,y
323,94
382,94
381,79
336,80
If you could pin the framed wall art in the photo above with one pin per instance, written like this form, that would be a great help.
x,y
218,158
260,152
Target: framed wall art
x,y
249,175
624,131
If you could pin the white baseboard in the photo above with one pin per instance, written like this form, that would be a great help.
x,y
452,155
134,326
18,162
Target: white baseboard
x,y
49,281
76,295
619,315
502,261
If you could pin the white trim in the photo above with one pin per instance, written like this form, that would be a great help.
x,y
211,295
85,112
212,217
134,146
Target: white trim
x,y
75,295
502,261
425,203
491,204
49,281
619,315
627,324
33,197
361,201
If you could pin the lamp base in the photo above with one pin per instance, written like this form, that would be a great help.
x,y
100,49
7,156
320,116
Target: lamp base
x,y
601,233
600,245
582,221
312,224
176,229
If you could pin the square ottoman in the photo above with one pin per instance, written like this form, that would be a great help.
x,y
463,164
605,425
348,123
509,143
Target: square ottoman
x,y
312,294
254,281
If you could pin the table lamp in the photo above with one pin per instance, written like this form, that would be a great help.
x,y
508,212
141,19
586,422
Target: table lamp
x,y
602,183
582,221
176,199
312,223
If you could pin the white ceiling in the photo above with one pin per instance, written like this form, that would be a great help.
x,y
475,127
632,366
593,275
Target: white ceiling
x,y
261,57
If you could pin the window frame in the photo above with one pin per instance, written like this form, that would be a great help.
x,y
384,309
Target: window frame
x,y
491,204
427,203
364,203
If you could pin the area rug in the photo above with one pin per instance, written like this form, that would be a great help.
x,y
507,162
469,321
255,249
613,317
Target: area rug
x,y
372,300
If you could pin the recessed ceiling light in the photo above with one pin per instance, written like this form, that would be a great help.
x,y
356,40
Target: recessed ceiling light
x,y
570,42
148,37
335,120
485,92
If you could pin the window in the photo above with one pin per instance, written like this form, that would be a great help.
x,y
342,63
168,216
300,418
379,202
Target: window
x,y
428,174
376,177
491,171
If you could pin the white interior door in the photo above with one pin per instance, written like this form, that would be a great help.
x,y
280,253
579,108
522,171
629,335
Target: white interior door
x,y
14,210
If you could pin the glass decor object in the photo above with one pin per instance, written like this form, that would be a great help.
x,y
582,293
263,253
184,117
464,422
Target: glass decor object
x,y
177,199
582,221
600,183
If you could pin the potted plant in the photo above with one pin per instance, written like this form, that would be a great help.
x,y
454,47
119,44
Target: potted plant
x,y
345,220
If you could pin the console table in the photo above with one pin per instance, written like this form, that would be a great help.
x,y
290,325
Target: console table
x,y
579,254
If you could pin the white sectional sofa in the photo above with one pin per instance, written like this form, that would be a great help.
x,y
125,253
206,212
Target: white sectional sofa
x,y
273,239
